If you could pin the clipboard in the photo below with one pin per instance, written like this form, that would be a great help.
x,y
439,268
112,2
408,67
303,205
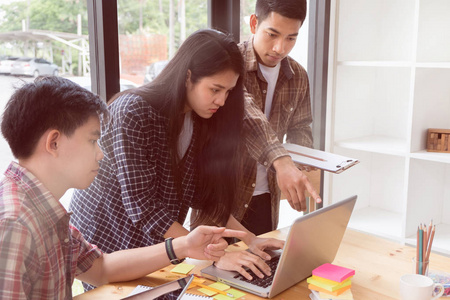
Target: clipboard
x,y
326,161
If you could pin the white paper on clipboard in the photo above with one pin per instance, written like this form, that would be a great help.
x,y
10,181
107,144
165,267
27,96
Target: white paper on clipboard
x,y
326,161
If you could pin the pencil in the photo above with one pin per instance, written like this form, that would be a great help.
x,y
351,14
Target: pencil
x,y
417,251
213,289
430,227
425,241
425,245
420,249
430,243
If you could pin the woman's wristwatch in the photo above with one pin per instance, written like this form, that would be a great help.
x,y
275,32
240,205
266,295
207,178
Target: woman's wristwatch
x,y
170,253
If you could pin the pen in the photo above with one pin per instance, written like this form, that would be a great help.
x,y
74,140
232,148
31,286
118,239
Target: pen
x,y
214,289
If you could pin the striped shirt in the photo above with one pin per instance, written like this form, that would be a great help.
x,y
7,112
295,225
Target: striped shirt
x,y
290,116
40,252
133,200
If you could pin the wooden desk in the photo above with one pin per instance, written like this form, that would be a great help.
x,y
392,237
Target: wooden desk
x,y
379,263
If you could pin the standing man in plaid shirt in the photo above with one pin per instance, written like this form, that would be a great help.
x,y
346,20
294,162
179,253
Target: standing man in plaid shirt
x,y
278,89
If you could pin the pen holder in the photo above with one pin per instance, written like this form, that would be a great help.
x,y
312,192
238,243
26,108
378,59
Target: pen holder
x,y
420,267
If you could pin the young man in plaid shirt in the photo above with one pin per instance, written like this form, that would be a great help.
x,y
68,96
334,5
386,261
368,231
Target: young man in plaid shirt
x,y
52,126
278,91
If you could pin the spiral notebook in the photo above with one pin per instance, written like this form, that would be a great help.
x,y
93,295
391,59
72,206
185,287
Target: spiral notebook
x,y
195,297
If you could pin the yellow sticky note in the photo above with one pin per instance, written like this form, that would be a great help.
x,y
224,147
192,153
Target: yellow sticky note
x,y
329,285
207,292
182,268
237,294
222,297
220,286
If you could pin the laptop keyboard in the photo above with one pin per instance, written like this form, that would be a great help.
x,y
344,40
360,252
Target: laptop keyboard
x,y
266,280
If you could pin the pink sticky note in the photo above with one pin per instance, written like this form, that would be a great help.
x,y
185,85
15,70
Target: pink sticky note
x,y
333,272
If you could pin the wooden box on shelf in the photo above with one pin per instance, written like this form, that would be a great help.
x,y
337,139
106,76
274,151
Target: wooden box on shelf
x,y
438,140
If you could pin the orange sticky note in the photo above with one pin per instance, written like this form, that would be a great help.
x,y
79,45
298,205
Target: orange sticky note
x,y
334,293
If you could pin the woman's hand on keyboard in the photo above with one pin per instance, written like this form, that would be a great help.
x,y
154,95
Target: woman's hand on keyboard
x,y
243,262
258,245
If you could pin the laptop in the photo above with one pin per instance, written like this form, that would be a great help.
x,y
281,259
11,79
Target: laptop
x,y
313,240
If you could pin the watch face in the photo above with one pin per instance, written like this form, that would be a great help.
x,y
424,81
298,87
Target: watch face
x,y
169,291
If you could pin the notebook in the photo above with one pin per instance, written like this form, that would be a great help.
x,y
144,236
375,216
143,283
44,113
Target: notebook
x,y
313,240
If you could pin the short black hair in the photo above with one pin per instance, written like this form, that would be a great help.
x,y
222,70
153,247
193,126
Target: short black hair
x,y
46,103
293,9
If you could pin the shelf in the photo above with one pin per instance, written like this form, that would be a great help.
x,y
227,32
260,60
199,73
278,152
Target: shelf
x,y
371,102
441,241
373,30
375,63
433,36
431,104
376,144
377,221
433,65
432,156
388,84
388,64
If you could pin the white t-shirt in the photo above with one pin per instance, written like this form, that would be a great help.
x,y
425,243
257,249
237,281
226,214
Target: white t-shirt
x,y
185,135
271,76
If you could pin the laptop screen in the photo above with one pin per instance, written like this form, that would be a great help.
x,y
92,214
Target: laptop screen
x,y
313,239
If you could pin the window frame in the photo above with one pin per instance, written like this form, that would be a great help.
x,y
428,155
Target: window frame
x,y
224,15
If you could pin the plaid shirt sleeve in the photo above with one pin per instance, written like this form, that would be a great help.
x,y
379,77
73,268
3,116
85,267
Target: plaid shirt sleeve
x,y
299,129
17,261
86,254
261,140
136,144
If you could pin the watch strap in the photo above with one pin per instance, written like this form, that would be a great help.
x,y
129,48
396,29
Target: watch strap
x,y
171,253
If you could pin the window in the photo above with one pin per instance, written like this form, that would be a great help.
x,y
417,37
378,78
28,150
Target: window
x,y
150,32
52,31
56,34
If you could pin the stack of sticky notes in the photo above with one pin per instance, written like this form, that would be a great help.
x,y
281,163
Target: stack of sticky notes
x,y
331,281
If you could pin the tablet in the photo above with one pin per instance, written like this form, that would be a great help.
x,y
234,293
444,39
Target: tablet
x,y
173,290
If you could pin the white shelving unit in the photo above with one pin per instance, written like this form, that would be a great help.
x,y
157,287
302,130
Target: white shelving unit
x,y
389,81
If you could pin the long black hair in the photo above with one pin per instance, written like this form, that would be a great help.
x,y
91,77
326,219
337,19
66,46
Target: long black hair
x,y
205,53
